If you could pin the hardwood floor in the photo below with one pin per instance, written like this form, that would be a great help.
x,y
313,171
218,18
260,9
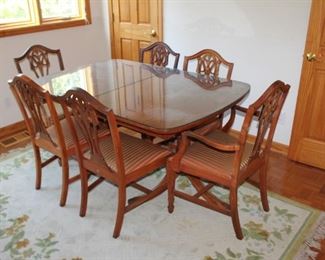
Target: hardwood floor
x,y
293,180
296,181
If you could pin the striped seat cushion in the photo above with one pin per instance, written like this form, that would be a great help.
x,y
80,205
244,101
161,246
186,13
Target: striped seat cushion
x,y
199,156
68,139
136,152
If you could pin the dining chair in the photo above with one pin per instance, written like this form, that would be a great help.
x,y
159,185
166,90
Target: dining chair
x,y
38,57
210,157
45,128
208,62
117,158
159,54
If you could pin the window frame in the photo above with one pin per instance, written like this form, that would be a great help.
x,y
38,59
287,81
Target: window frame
x,y
37,24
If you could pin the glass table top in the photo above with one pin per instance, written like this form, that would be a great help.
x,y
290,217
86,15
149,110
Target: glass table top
x,y
157,99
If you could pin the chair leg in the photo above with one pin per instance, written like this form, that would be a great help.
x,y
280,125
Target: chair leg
x,y
84,175
234,213
120,210
263,188
38,164
65,181
171,177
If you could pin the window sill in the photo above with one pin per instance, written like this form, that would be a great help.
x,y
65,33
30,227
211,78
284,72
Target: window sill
x,y
24,29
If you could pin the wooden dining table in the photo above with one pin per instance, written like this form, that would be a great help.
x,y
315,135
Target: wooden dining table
x,y
156,101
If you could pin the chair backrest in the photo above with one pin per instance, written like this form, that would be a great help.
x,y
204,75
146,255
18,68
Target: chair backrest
x,y
37,108
38,57
267,108
88,115
208,63
159,54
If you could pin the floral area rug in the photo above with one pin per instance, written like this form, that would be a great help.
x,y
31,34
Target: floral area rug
x,y
34,226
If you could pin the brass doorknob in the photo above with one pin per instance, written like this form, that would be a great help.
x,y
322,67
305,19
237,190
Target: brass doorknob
x,y
153,33
311,56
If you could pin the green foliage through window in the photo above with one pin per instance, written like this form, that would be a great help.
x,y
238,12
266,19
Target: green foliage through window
x,y
59,8
12,11
27,16
61,84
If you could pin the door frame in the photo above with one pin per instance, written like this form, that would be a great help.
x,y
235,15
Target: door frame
x,y
111,24
311,45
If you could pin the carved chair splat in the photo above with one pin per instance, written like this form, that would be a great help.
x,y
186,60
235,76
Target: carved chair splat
x,y
38,58
159,54
208,63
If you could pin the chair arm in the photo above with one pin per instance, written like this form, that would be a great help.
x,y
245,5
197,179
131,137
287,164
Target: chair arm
x,y
244,110
223,147
231,120
175,160
240,108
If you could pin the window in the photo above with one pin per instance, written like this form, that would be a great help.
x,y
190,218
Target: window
x,y
26,16
81,78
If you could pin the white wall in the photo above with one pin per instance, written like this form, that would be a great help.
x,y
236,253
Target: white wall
x,y
79,45
264,38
